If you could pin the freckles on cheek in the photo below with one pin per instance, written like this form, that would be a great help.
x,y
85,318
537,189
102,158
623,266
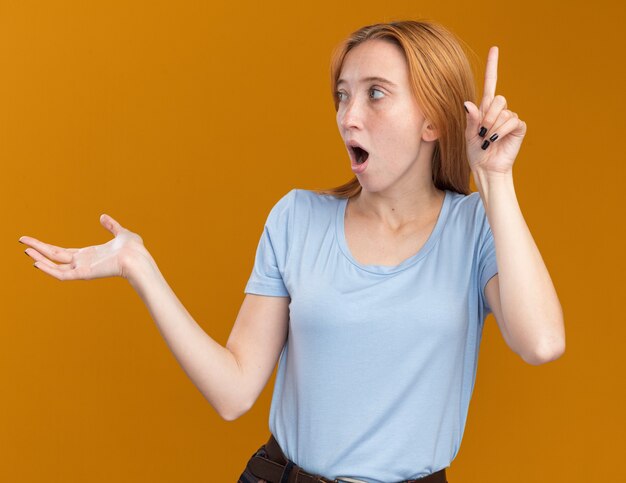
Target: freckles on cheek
x,y
399,148
394,142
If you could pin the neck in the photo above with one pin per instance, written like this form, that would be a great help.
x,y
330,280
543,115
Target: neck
x,y
399,209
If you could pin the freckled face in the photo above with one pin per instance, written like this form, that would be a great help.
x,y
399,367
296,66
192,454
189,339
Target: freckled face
x,y
383,117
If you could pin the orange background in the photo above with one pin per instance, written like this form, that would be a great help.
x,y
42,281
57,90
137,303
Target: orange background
x,y
186,121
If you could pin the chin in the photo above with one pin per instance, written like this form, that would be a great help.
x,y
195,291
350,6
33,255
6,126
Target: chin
x,y
371,187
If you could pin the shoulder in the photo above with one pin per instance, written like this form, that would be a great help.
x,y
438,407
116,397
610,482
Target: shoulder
x,y
301,202
467,219
465,202
304,196
469,207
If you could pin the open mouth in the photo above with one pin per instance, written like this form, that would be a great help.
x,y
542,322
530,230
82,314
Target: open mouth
x,y
360,154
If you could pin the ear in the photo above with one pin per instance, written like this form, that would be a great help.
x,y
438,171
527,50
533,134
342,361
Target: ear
x,y
429,132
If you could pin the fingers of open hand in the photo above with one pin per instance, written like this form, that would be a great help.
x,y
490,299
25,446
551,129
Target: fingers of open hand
x,y
73,270
60,272
44,253
52,252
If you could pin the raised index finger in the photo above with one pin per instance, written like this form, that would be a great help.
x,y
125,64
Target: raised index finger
x,y
491,77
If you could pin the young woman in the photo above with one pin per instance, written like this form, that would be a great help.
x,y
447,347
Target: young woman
x,y
371,295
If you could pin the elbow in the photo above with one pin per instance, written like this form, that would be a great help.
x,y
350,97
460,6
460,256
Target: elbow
x,y
546,352
231,414
549,346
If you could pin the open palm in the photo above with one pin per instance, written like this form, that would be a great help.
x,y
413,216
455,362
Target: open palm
x,y
98,261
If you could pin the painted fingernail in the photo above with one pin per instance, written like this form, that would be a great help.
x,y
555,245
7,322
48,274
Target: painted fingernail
x,y
466,109
485,145
482,132
493,138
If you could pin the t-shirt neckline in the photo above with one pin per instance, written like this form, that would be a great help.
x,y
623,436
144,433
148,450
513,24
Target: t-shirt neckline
x,y
387,269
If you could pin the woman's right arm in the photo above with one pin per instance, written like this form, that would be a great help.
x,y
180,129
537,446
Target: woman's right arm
x,y
230,378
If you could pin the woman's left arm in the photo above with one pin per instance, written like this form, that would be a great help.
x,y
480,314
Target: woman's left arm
x,y
522,296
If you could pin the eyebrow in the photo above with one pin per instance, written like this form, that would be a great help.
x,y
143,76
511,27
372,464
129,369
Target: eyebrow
x,y
370,79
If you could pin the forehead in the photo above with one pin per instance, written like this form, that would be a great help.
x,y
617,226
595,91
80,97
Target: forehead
x,y
374,58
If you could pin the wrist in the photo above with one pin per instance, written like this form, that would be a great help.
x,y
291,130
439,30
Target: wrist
x,y
484,177
488,181
136,263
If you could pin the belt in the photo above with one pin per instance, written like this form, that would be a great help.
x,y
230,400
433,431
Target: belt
x,y
277,468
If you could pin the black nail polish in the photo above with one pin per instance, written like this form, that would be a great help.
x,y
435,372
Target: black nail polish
x,y
482,132
493,138
485,145
466,109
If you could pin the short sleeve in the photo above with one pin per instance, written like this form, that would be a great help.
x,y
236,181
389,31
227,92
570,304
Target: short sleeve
x,y
272,251
487,267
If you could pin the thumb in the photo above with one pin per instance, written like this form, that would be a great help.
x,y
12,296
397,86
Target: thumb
x,y
110,224
473,119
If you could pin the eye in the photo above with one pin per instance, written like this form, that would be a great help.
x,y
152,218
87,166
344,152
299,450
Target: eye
x,y
338,95
373,89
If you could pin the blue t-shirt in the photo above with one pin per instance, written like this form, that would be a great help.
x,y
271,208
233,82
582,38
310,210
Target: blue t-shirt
x,y
375,379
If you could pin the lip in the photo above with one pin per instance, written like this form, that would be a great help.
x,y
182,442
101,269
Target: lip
x,y
353,144
356,167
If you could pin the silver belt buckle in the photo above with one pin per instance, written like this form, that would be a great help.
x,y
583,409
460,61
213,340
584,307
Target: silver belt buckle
x,y
341,479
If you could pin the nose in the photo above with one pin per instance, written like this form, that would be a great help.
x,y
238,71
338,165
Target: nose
x,y
349,114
